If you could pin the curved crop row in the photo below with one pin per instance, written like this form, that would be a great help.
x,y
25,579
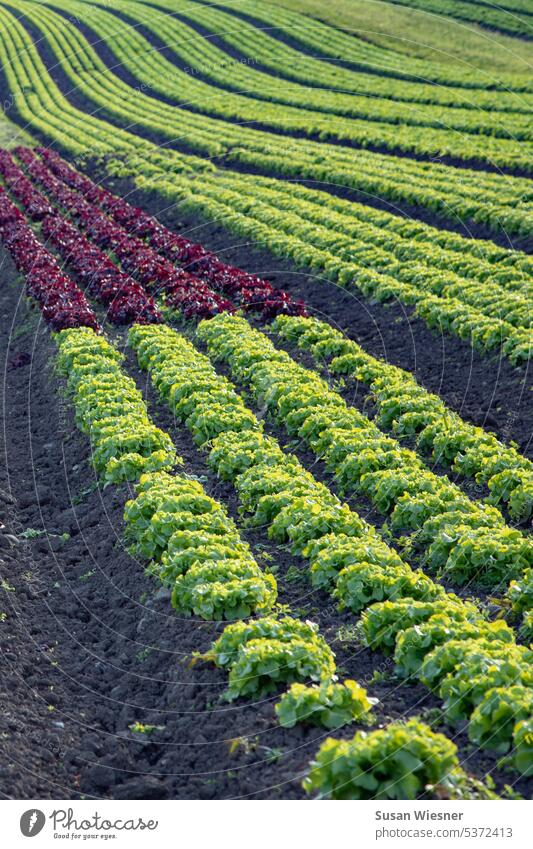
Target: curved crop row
x,y
193,545
394,273
486,332
305,110
499,293
182,289
513,21
172,516
409,239
409,409
195,550
380,71
249,290
334,43
341,548
125,299
487,197
61,301
131,107
465,541
110,409
401,400
267,226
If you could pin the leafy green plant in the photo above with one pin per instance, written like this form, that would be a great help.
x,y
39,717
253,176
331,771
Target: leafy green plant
x,y
488,556
263,653
480,671
415,643
399,761
329,705
449,655
408,409
363,583
493,720
262,665
225,649
224,590
196,550
382,622
523,747
333,553
110,409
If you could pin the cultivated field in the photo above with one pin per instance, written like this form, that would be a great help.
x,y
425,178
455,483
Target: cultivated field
x,y
267,491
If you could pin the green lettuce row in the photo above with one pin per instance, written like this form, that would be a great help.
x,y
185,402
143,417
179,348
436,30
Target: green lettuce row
x,y
407,238
477,12
388,177
494,199
467,257
409,410
360,239
273,487
402,274
464,541
464,671
196,550
492,298
260,223
172,516
39,103
332,42
211,583
275,491
218,137
479,259
293,107
194,546
110,409
46,109
406,271
473,665
414,642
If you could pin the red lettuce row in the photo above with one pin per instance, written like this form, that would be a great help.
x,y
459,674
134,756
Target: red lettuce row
x,y
247,290
125,299
22,189
182,290
62,303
